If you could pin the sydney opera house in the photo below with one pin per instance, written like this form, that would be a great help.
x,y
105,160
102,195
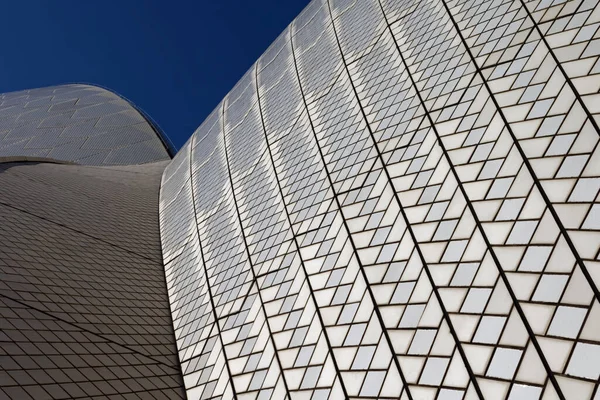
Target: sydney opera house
x,y
399,200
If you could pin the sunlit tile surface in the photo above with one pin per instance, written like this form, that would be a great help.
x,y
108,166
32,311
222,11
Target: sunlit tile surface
x,y
398,200
78,123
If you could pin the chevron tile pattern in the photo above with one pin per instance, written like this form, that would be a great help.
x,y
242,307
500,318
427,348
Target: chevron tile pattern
x,y
399,200
82,124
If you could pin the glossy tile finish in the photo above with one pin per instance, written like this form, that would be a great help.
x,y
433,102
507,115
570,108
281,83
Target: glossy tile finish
x,y
83,124
398,200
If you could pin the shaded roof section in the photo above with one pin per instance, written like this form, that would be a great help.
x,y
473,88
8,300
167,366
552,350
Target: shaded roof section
x,y
84,310
79,123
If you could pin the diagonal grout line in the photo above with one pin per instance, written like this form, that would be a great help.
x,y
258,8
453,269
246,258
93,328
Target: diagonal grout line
x,y
95,238
254,281
562,70
509,289
70,189
537,183
377,312
405,216
526,162
80,232
310,288
168,300
86,330
536,180
210,295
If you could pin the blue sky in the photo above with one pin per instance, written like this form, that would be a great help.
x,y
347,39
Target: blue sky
x,y
175,59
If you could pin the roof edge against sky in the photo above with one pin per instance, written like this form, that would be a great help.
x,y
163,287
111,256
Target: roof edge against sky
x,y
164,138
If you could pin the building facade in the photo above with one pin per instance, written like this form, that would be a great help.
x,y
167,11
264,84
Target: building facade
x,y
399,200
78,123
84,311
